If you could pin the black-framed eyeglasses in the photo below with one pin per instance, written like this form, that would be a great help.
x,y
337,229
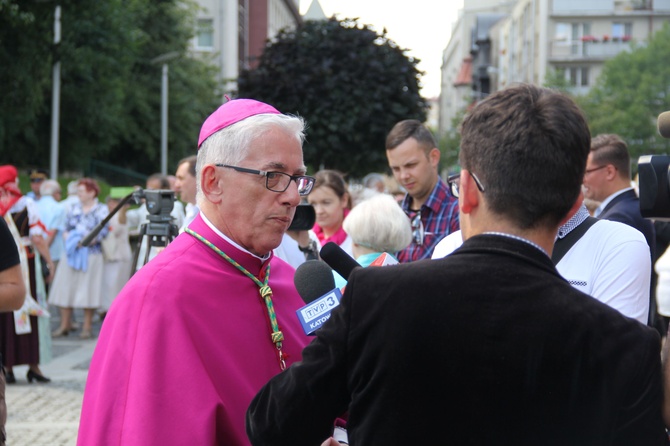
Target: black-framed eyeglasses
x,y
587,171
454,182
278,181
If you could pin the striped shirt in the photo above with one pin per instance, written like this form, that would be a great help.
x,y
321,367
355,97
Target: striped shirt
x,y
439,216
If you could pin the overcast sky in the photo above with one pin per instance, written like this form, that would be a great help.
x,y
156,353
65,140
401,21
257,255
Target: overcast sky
x,y
421,26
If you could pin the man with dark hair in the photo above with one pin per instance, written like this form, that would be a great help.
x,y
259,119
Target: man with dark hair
x,y
489,344
186,188
608,179
414,157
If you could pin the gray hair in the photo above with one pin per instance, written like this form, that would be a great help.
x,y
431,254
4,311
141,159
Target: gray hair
x,y
49,187
231,144
380,224
72,187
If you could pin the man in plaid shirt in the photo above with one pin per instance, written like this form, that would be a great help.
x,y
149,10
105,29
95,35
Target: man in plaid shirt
x,y
414,157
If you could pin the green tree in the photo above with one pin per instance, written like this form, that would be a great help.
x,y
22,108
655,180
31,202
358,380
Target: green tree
x,y
450,143
164,27
350,84
633,89
556,79
25,45
110,90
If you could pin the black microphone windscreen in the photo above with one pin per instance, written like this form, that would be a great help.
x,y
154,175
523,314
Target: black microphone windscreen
x,y
664,124
313,279
338,259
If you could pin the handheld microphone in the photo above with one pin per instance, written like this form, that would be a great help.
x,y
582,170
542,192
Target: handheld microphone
x,y
663,123
313,279
316,285
338,259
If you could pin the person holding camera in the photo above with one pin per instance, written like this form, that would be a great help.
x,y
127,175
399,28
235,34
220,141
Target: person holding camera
x,y
299,243
78,281
197,331
140,216
186,187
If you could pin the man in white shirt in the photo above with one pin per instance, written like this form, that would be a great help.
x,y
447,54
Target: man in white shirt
x,y
185,186
610,262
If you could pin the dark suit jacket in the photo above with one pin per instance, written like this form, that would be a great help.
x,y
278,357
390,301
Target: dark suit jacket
x,y
625,208
488,346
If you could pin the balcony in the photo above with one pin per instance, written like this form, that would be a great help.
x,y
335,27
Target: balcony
x,y
587,48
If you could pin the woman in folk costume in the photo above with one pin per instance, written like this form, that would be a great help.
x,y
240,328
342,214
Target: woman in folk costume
x,y
78,282
21,215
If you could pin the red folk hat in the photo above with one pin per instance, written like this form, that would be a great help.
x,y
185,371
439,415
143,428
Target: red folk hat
x,y
232,112
8,174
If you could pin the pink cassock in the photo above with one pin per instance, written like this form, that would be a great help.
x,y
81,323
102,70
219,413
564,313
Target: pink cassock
x,y
186,346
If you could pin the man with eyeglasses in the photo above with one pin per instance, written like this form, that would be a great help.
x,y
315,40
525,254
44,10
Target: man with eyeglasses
x,y
608,179
414,157
489,345
198,330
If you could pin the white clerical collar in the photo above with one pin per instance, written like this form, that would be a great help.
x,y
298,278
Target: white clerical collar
x,y
227,239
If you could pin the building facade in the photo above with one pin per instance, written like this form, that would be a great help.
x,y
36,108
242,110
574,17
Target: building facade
x,y
535,39
233,33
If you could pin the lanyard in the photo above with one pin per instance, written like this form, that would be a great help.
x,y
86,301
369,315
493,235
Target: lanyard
x,y
264,290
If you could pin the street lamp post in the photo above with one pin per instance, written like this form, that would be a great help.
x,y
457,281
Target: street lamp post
x,y
163,59
55,97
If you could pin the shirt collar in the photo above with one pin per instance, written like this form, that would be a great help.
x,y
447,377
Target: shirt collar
x,y
576,220
521,239
434,199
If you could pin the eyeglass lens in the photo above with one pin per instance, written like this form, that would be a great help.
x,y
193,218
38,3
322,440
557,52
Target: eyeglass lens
x,y
279,182
417,229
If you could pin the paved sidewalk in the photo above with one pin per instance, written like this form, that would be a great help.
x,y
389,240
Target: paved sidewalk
x,y
48,414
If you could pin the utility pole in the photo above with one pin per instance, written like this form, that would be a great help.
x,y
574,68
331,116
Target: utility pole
x,y
55,96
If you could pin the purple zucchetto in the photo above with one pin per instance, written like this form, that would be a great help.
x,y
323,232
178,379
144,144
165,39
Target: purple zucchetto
x,y
231,112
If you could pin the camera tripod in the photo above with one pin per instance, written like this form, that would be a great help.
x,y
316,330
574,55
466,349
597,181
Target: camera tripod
x,y
159,232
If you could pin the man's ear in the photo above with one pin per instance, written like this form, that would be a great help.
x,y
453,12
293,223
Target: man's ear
x,y
468,193
575,207
434,156
210,184
611,172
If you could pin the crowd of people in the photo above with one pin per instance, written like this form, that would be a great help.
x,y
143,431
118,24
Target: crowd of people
x,y
525,294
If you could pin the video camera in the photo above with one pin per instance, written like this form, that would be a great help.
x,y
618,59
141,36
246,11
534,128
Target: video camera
x,y
159,203
654,178
304,218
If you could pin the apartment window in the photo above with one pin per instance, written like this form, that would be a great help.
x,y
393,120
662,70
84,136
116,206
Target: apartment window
x,y
578,76
563,32
580,30
622,29
205,34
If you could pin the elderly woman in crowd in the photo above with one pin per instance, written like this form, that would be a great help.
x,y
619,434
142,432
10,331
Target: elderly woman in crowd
x,y
78,281
377,225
